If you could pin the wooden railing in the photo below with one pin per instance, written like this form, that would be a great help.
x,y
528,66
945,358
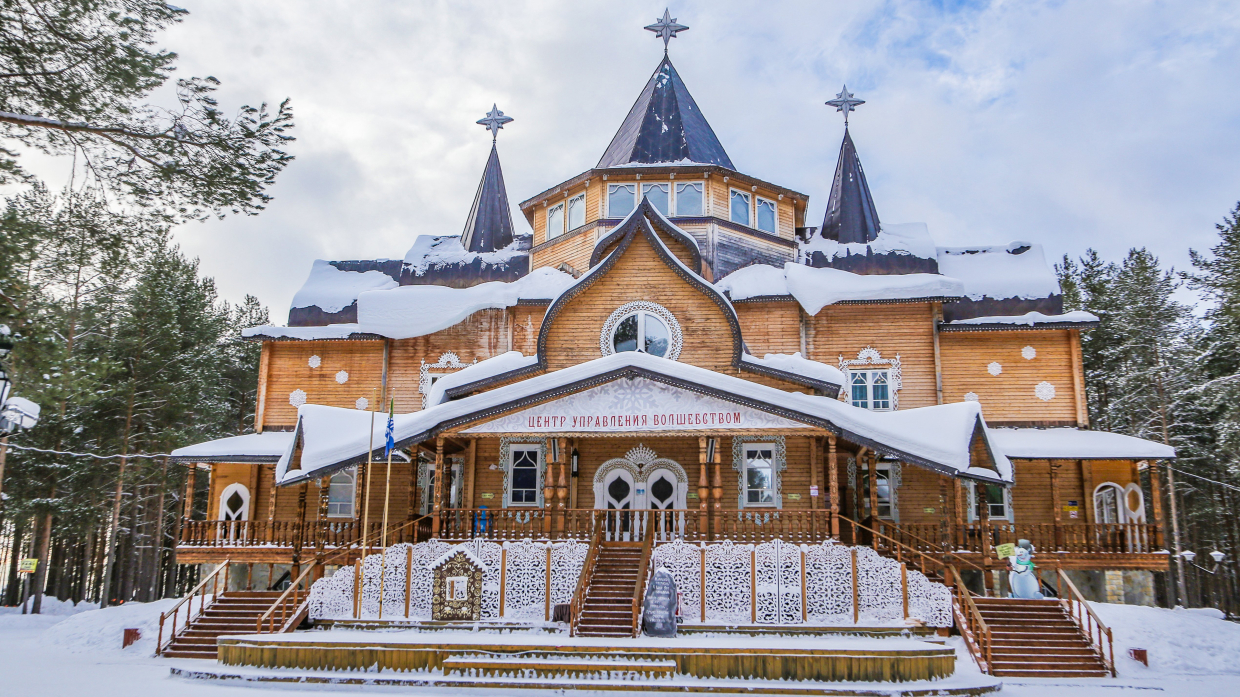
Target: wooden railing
x,y
640,584
583,581
260,533
1083,538
1089,622
973,628
214,579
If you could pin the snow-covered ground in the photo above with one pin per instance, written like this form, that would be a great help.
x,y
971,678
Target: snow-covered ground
x,y
77,651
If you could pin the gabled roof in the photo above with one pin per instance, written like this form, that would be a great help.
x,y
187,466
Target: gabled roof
x,y
851,216
489,226
665,125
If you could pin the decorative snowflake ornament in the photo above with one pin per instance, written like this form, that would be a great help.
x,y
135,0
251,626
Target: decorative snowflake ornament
x,y
297,397
1044,391
315,361
342,377
1029,353
641,455
362,403
971,397
994,369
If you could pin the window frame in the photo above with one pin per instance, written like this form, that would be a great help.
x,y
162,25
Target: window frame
x,y
670,201
870,372
612,187
351,473
226,493
973,511
547,223
758,201
772,466
641,332
701,187
538,475
748,206
568,212
885,470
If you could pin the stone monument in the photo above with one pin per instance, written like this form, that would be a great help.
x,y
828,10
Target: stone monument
x,y
456,587
659,609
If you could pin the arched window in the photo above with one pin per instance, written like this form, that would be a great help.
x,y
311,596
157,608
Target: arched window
x,y
1108,503
341,493
642,326
235,502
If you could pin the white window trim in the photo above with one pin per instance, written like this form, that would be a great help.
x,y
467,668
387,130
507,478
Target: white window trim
x,y
971,489
537,449
448,363
242,489
568,206
748,199
778,464
352,474
547,222
869,358
671,202
606,345
774,206
607,196
675,205
1126,515
894,473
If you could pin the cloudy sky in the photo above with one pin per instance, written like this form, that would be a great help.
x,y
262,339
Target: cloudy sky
x,y
1072,124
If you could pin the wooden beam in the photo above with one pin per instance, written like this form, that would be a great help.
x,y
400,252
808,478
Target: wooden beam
x,y
187,509
833,485
264,366
1056,503
1156,504
1078,378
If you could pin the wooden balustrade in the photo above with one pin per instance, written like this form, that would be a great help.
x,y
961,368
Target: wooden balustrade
x,y
1087,620
217,581
973,628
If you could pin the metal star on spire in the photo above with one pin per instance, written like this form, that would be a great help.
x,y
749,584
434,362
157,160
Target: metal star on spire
x,y
844,102
666,28
494,121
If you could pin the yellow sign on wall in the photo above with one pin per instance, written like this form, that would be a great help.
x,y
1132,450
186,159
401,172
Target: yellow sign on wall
x,y
1006,550
27,566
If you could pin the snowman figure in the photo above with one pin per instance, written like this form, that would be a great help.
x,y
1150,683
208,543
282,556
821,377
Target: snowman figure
x,y
1022,577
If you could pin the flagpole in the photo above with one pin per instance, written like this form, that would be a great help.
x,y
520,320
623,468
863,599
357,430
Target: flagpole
x,y
365,512
387,487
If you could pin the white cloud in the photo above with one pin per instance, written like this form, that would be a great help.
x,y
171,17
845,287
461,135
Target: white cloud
x,y
1072,124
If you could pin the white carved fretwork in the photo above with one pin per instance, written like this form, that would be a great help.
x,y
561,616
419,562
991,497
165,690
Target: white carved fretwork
x,y
869,357
525,582
778,574
641,462
828,584
878,587
609,327
729,579
491,554
684,561
928,601
567,559
780,462
637,404
448,361
1044,391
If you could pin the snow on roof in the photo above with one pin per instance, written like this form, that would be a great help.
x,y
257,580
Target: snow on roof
x,y
481,370
754,281
817,288
332,290
409,311
269,446
331,331
1018,270
1030,319
938,437
459,549
901,238
434,251
797,365
1074,444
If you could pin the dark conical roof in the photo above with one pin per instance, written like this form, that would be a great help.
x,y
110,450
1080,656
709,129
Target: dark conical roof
x,y
851,216
489,226
665,125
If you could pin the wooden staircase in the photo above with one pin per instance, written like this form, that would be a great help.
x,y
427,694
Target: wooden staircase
x,y
607,610
1037,638
234,612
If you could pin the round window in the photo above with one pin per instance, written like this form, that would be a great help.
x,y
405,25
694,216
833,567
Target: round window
x,y
641,326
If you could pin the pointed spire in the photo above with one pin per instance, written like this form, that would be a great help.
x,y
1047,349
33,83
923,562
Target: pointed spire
x,y
489,226
851,215
665,125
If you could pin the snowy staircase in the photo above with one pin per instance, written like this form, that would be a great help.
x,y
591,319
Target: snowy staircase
x,y
1037,638
235,612
608,607
535,666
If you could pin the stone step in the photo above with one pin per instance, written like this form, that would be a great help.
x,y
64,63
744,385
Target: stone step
x,y
493,666
1048,673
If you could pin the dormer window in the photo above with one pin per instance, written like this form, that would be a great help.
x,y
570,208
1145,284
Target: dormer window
x,y
766,215
621,199
576,211
555,221
689,199
644,327
659,195
740,207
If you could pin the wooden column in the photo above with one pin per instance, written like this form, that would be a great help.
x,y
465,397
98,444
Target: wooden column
x,y
815,459
703,490
295,571
561,489
271,498
959,511
988,580
717,489
264,366
945,525
1078,378
437,496
833,486
573,479
467,493
187,508
1087,486
872,486
938,362
1156,504
548,487
1057,509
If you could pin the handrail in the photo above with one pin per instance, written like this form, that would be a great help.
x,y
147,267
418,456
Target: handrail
x,y
213,577
583,581
1087,622
640,584
976,632
914,550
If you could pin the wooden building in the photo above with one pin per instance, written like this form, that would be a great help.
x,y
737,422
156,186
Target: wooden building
x,y
674,338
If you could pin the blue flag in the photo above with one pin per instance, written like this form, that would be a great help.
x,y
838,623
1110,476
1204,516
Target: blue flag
x,y
390,435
